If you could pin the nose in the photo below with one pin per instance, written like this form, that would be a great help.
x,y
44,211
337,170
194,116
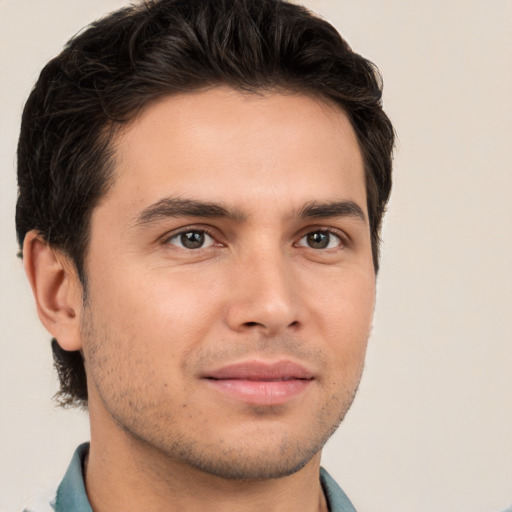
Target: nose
x,y
265,297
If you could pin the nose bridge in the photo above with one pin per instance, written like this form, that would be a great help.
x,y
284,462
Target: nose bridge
x,y
265,295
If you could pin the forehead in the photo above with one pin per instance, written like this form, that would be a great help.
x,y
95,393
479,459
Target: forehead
x,y
221,144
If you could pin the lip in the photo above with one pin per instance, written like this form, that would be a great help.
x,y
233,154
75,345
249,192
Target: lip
x,y
261,383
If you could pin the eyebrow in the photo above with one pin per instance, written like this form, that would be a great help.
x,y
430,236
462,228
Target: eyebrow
x,y
176,207
316,209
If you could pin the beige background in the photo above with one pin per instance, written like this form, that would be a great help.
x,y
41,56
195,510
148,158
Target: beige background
x,y
431,429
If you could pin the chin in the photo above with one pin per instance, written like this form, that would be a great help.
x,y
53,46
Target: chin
x,y
259,453
266,465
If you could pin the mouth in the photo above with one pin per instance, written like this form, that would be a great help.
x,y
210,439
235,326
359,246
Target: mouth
x,y
261,383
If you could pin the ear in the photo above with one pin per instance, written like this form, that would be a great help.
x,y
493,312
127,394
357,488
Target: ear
x,y
56,288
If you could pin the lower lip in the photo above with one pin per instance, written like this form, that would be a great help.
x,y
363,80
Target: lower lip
x,y
257,392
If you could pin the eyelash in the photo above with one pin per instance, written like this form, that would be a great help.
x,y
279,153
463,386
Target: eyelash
x,y
167,240
344,240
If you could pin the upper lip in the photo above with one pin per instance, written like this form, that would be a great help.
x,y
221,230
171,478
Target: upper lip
x,y
261,370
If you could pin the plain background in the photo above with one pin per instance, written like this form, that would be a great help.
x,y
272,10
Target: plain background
x,y
431,429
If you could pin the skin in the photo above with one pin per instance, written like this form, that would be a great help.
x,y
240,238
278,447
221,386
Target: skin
x,y
161,314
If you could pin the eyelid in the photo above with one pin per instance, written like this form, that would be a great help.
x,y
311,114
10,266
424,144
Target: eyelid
x,y
344,238
166,239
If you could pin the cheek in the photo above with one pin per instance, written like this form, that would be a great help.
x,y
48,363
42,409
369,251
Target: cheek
x,y
346,325
164,310
345,315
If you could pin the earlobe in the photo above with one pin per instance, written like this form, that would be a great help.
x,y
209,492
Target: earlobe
x,y
56,289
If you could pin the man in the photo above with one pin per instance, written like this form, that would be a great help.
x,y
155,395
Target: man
x,y
201,190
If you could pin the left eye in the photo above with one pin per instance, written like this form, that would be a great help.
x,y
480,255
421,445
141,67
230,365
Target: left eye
x,y
193,239
320,240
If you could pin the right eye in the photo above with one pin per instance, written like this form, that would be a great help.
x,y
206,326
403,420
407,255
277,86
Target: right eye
x,y
191,239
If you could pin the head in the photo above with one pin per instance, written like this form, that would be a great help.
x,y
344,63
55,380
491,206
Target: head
x,y
124,66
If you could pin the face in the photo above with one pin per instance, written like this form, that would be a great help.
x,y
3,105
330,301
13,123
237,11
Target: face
x,y
230,282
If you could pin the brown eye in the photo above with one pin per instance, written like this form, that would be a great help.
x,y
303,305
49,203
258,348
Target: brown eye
x,y
193,239
320,240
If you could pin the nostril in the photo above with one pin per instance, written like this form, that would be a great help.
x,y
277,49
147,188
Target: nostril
x,y
259,324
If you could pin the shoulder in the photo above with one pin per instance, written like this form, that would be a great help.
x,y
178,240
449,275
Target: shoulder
x,y
70,495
